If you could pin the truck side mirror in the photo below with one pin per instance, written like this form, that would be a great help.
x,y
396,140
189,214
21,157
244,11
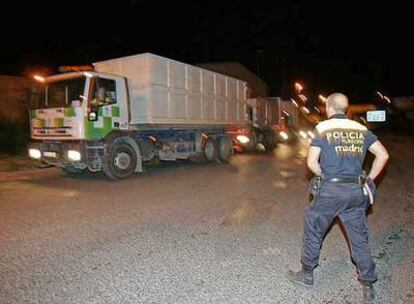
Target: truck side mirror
x,y
93,114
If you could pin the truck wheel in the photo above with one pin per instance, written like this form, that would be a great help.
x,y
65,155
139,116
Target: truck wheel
x,y
224,148
120,162
209,150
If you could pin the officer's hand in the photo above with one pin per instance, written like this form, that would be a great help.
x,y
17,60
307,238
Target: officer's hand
x,y
371,185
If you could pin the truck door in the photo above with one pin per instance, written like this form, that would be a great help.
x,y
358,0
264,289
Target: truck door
x,y
107,107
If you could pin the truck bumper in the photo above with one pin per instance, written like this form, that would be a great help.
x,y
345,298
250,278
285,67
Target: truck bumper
x,y
74,154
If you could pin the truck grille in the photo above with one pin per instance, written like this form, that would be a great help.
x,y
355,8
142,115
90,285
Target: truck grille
x,y
48,132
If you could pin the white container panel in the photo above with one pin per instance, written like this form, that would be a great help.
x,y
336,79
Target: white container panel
x,y
142,70
178,104
220,109
110,67
177,75
194,79
142,74
241,90
140,105
158,69
159,102
208,82
149,103
220,85
194,106
231,89
232,110
208,108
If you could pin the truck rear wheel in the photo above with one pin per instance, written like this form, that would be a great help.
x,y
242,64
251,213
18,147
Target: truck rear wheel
x,y
209,150
224,148
120,161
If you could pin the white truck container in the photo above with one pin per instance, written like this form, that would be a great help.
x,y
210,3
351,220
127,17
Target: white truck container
x,y
164,91
133,109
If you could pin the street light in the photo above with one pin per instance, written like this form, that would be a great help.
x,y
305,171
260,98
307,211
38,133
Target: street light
x,y
383,97
379,94
39,78
298,87
322,98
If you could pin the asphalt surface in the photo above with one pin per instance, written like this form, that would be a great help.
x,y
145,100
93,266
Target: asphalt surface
x,y
192,233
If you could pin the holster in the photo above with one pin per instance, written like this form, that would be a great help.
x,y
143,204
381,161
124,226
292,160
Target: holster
x,y
315,185
362,179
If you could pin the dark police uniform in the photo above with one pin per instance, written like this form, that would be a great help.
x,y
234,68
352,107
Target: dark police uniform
x,y
343,144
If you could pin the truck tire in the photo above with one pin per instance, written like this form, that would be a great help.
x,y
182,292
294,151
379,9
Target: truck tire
x,y
209,150
120,161
224,148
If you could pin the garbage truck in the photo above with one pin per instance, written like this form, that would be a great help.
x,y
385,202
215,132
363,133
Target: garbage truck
x,y
131,110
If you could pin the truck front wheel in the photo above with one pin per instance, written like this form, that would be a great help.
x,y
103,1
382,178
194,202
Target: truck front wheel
x,y
120,161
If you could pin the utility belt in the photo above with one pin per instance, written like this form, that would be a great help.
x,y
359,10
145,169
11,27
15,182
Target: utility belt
x,y
360,180
366,184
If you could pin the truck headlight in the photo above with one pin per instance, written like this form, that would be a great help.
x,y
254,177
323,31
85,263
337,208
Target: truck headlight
x,y
243,139
35,153
284,135
74,155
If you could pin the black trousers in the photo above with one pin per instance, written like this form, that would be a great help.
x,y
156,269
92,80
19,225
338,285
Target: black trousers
x,y
346,201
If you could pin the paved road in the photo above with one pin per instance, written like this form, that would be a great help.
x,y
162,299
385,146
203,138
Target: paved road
x,y
193,234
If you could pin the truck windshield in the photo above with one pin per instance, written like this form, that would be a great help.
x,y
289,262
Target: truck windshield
x,y
63,93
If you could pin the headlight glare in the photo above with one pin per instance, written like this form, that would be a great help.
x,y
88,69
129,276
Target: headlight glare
x,y
284,135
303,134
74,155
243,139
35,153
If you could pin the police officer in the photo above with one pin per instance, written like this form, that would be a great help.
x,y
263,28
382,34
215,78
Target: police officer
x,y
336,155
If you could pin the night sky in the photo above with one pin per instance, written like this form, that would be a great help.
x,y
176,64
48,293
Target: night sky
x,y
346,47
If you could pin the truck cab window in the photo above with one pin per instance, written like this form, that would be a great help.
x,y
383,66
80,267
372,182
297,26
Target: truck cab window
x,y
57,94
104,92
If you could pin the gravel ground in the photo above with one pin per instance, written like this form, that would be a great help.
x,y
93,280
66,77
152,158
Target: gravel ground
x,y
9,163
193,233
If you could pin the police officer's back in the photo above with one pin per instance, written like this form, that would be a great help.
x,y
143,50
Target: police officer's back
x,y
336,155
